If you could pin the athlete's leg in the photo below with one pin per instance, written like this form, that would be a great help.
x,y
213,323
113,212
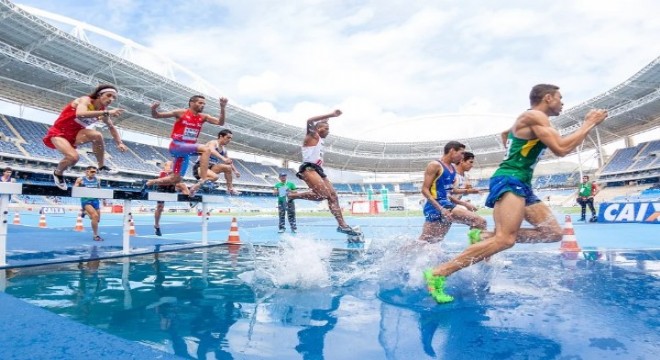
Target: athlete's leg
x,y
171,179
508,215
317,187
546,228
204,154
228,172
160,206
210,175
434,231
462,215
94,217
182,188
96,138
71,156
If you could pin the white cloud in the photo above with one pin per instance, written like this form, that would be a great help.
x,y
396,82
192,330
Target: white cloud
x,y
386,63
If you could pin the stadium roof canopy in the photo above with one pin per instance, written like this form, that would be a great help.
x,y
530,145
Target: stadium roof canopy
x,y
44,67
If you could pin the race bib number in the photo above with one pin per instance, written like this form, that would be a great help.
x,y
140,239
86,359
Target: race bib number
x,y
282,191
190,134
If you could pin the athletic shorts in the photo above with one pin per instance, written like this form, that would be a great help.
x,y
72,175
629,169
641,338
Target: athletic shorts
x,y
55,132
500,185
94,202
305,166
195,169
431,214
181,151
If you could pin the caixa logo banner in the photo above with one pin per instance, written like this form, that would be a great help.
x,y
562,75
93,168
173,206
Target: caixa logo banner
x,y
644,212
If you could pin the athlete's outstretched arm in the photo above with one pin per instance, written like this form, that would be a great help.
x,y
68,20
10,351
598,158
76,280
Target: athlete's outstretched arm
x,y
220,120
311,122
166,114
562,146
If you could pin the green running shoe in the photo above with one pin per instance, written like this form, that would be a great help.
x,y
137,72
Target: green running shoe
x,y
474,236
436,287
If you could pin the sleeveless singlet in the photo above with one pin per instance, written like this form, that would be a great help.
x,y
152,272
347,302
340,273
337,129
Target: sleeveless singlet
x,y
443,183
90,183
187,127
521,157
313,154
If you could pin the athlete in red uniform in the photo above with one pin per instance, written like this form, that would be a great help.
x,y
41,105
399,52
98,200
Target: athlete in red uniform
x,y
70,130
184,136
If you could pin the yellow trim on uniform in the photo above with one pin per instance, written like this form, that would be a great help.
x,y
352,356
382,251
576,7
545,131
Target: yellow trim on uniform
x,y
525,149
434,190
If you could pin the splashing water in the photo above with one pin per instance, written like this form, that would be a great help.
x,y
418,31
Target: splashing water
x,y
297,263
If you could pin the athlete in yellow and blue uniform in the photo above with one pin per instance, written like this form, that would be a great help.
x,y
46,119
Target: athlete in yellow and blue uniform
x,y
511,193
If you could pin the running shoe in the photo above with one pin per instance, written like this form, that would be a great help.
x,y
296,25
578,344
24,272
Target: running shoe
x,y
474,236
293,231
208,185
60,182
348,231
436,287
280,231
593,219
233,192
105,169
158,233
144,189
98,238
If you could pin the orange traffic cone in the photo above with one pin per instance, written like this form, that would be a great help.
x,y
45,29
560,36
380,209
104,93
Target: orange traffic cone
x,y
17,219
234,236
79,223
568,241
131,228
42,221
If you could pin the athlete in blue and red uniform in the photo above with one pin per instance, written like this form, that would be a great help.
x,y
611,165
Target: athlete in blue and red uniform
x,y
184,136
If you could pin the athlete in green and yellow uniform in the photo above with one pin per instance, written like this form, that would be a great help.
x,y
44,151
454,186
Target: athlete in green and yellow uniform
x,y
511,195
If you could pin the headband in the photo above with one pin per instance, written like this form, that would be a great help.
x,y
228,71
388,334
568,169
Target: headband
x,y
107,90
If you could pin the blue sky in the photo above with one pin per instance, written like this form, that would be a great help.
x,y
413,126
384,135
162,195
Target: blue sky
x,y
390,65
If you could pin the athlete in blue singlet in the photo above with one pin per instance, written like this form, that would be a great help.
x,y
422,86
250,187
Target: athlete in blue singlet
x,y
440,210
91,206
510,187
220,162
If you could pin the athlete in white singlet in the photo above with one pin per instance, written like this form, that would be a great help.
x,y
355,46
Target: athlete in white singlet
x,y
312,173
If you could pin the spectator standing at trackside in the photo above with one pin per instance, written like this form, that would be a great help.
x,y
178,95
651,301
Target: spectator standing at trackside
x,y
586,192
284,204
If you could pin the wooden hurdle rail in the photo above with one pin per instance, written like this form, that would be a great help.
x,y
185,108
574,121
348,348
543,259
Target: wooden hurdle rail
x,y
8,189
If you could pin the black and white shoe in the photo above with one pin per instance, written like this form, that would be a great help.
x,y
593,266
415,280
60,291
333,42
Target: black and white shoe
x,y
107,170
59,181
349,231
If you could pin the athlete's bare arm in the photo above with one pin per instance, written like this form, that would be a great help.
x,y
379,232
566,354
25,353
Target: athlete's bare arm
x,y
220,120
433,170
505,137
537,124
115,133
311,122
166,114
78,182
82,109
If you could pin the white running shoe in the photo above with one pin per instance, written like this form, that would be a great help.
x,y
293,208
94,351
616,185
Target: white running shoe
x,y
107,170
60,182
